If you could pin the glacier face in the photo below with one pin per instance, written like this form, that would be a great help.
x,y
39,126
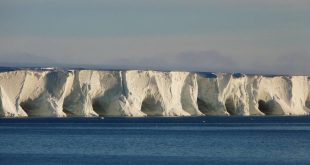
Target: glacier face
x,y
137,93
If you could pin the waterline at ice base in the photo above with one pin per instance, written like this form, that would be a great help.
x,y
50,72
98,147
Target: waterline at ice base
x,y
140,93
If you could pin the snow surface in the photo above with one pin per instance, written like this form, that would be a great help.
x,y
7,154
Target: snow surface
x,y
136,93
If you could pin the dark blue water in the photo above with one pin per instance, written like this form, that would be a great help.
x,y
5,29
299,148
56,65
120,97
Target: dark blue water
x,y
193,140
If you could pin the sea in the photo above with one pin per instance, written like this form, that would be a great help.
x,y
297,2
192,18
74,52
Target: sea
x,y
155,140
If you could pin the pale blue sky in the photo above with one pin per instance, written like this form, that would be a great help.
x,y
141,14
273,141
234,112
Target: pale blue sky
x,y
258,36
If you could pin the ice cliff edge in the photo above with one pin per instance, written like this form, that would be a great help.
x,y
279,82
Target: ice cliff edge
x,y
58,93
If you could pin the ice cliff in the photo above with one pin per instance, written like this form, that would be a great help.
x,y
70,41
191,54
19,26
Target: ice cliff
x,y
59,93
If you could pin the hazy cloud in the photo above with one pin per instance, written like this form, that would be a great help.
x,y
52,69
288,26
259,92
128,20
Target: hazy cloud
x,y
25,59
189,60
206,60
163,2
297,63
180,53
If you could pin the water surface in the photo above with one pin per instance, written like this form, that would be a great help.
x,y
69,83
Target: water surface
x,y
188,140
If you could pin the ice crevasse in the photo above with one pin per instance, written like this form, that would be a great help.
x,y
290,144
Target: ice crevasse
x,y
138,93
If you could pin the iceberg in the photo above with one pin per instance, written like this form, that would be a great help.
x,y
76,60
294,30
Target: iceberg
x,y
137,93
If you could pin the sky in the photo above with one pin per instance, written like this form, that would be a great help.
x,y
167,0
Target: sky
x,y
257,36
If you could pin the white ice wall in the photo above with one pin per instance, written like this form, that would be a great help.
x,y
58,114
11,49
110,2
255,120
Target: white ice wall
x,y
308,98
57,93
253,95
225,94
162,93
282,95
